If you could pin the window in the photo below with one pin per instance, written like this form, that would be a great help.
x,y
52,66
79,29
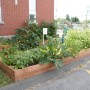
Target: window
x,y
32,17
32,10
0,12
1,22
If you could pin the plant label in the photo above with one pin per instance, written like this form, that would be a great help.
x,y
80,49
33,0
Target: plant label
x,y
44,30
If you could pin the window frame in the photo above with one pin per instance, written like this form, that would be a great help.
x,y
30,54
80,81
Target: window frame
x,y
1,21
32,10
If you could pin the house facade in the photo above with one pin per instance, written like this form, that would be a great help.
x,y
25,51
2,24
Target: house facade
x,y
14,13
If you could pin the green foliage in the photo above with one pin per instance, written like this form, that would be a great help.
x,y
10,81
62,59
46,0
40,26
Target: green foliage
x,y
20,59
50,49
28,36
52,27
4,41
72,19
77,40
7,55
68,18
75,19
4,79
53,52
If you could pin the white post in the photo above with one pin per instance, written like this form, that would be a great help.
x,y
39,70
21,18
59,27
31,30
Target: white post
x,y
43,39
0,12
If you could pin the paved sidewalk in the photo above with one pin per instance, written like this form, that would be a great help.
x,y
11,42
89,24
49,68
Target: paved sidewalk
x,y
74,76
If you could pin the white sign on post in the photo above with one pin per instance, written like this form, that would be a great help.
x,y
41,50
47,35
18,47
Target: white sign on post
x,y
60,32
44,32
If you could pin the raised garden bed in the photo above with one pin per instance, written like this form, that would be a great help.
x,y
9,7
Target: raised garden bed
x,y
4,47
30,71
4,79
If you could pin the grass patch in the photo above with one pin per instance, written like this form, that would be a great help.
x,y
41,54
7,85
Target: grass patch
x,y
4,79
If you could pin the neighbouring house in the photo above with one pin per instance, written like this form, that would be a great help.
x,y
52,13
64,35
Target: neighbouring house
x,y
14,13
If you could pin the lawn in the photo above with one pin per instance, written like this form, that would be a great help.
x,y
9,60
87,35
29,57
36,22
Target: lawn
x,y
4,79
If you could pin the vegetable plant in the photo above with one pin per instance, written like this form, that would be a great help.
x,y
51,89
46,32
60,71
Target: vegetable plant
x,y
77,40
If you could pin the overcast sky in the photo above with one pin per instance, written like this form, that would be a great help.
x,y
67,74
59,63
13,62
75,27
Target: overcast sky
x,y
76,8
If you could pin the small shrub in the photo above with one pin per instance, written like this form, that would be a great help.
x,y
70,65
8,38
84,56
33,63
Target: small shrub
x,y
28,37
5,41
51,28
77,40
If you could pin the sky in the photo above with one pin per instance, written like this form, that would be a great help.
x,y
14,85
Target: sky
x,y
74,8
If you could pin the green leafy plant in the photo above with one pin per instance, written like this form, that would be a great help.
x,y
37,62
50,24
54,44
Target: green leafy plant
x,y
28,36
52,27
77,40
5,41
53,52
7,55
20,59
4,79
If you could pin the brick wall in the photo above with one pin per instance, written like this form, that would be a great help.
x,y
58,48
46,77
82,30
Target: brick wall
x,y
45,10
14,16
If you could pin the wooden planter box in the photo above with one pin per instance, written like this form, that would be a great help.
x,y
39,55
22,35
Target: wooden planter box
x,y
4,47
27,72
30,71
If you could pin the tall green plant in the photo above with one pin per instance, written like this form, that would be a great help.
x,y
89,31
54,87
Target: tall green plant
x,y
28,36
77,40
53,52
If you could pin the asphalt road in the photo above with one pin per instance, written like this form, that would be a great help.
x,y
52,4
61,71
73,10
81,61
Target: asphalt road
x,y
78,78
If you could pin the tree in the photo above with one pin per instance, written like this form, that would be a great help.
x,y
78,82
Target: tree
x,y
68,17
75,19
